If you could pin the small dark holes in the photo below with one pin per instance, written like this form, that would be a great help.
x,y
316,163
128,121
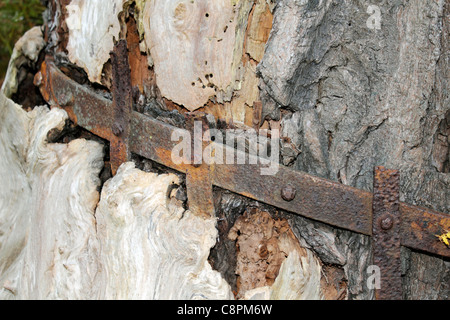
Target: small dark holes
x,y
207,15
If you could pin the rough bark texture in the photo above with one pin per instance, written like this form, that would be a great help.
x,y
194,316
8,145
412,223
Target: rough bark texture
x,y
358,97
352,84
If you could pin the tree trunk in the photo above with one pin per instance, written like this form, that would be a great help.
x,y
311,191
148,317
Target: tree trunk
x,y
350,84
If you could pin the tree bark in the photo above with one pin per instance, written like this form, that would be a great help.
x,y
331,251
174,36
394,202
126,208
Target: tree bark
x,y
350,84
359,97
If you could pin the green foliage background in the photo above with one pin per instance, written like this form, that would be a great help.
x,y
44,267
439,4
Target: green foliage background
x,y
16,17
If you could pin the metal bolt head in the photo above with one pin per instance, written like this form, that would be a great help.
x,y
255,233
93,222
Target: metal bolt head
x,y
386,223
288,193
263,251
117,129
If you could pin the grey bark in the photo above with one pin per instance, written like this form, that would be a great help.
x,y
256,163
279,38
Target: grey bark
x,y
355,98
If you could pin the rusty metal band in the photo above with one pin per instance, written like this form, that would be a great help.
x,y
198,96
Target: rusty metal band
x,y
122,105
297,192
199,186
386,233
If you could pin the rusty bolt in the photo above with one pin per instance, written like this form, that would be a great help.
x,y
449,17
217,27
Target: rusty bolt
x,y
117,129
288,193
263,251
386,222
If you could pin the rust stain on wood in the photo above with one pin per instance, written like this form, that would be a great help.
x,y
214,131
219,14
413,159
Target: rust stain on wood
x,y
386,233
263,243
140,73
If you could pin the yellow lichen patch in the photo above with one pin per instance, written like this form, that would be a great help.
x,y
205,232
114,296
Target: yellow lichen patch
x,y
445,238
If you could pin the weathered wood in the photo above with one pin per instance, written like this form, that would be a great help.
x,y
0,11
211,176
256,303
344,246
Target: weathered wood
x,y
269,256
91,246
48,197
192,44
152,248
348,93
26,52
92,28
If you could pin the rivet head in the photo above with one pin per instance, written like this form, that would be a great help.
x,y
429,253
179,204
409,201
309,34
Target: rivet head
x,y
117,129
288,193
263,251
386,222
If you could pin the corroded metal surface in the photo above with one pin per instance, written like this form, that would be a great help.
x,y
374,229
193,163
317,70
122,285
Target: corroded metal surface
x,y
88,110
122,106
421,228
198,176
200,191
386,233
316,198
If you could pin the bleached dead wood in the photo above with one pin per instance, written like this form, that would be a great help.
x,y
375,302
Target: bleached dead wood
x,y
140,243
92,25
203,53
298,279
26,51
271,264
48,195
152,248
146,247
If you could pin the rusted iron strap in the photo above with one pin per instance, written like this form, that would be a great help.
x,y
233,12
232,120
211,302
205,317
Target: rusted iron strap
x,y
319,199
198,176
386,233
298,192
122,106
88,110
421,228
